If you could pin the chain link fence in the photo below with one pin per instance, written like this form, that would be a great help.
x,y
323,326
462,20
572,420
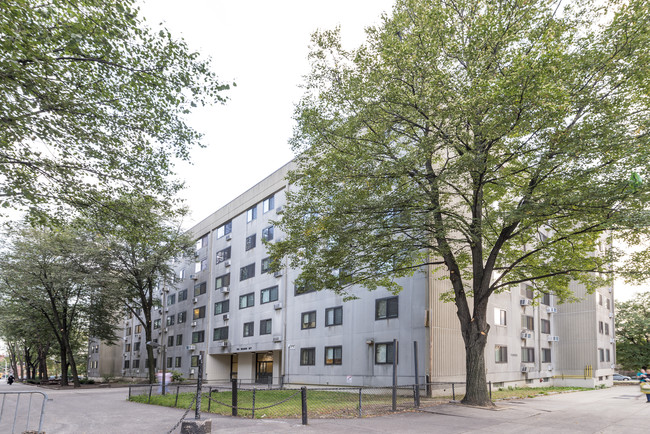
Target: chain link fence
x,y
252,401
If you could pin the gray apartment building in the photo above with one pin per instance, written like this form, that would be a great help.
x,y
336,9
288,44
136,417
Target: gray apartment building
x,y
257,326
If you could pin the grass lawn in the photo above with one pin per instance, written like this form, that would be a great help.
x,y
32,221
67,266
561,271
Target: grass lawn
x,y
321,403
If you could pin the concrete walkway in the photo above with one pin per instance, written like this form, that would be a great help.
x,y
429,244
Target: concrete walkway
x,y
621,409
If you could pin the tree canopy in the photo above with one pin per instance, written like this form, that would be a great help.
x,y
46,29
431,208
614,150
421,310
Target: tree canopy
x,y
633,332
500,142
91,99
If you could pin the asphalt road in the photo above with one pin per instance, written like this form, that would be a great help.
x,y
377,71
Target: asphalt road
x,y
621,409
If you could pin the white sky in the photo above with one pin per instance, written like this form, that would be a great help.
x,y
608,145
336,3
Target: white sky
x,y
261,45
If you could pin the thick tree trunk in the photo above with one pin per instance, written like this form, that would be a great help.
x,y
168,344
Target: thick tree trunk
x,y
150,357
73,367
64,366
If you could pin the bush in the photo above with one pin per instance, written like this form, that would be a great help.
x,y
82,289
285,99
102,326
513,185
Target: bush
x,y
177,377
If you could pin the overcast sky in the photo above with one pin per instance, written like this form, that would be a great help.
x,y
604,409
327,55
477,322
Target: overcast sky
x,y
262,46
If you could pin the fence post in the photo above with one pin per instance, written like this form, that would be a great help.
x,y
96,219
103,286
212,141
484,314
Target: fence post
x,y
490,386
394,374
150,388
129,393
303,395
253,407
360,389
209,398
417,382
453,392
234,397
199,384
176,402
429,390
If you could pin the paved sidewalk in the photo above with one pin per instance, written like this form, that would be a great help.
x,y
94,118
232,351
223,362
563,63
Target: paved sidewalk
x,y
621,409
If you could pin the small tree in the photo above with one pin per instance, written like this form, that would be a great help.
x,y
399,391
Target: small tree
x,y
633,332
498,142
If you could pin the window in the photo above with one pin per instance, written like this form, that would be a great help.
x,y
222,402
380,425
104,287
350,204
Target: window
x,y
384,353
170,341
266,265
224,229
527,322
127,348
136,364
268,204
500,317
136,346
177,362
221,307
220,334
308,320
269,294
600,327
200,266
527,354
607,303
198,336
194,361
181,274
248,329
334,316
600,299
606,328
386,308
169,362
200,288
202,242
247,272
156,323
138,329
251,214
182,295
182,317
126,364
303,289
198,313
546,299
250,242
128,331
527,291
333,355
546,355
170,320
307,356
246,300
171,299
223,255
221,281
546,326
607,356
267,234
601,353
500,354
265,327
179,340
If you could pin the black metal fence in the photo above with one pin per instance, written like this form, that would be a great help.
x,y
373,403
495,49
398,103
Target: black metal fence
x,y
275,401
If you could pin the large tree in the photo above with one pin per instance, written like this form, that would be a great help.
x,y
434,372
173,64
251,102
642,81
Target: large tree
x,y
496,141
92,99
137,239
633,332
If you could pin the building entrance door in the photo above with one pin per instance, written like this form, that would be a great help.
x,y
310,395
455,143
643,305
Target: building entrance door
x,y
264,368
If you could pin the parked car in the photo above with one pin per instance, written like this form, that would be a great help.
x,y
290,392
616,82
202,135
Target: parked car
x,y
619,377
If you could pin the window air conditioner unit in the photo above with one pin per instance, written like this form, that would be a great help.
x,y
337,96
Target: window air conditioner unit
x,y
277,338
166,309
126,355
610,289
160,311
277,273
166,329
612,340
137,371
611,315
190,347
222,344
550,309
228,237
549,367
554,339
225,289
526,369
525,302
193,323
194,276
191,371
195,300
226,317
279,209
277,306
526,335
227,263
196,254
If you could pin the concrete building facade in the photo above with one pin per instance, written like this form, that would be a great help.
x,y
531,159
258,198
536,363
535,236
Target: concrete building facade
x,y
257,326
